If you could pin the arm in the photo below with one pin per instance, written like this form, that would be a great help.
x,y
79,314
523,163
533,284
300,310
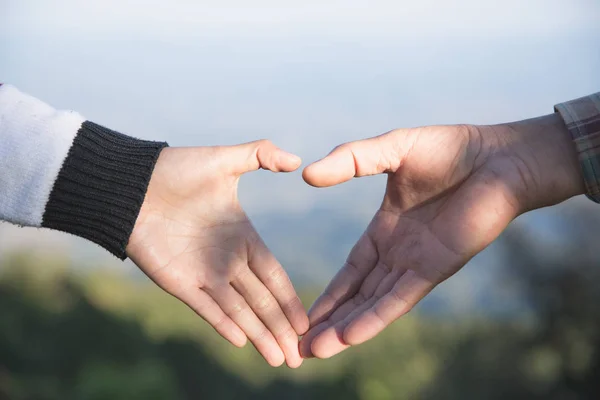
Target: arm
x,y
173,211
451,191
59,171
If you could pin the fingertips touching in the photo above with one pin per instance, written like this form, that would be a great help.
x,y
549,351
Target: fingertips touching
x,y
329,342
291,350
297,315
307,340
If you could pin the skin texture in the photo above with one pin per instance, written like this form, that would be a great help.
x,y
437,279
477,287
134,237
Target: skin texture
x,y
451,190
193,239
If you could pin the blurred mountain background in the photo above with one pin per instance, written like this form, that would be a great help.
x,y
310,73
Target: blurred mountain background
x,y
519,320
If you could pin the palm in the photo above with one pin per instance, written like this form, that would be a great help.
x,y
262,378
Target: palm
x,y
181,236
442,205
194,240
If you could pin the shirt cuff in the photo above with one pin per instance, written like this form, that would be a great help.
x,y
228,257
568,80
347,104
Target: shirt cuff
x,y
101,186
582,118
60,171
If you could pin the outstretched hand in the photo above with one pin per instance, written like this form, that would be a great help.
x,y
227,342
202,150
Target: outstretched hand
x,y
451,190
193,239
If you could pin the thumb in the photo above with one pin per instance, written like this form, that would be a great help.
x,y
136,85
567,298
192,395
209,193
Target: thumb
x,y
372,156
263,154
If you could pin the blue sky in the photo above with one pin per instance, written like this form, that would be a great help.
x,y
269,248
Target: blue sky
x,y
306,74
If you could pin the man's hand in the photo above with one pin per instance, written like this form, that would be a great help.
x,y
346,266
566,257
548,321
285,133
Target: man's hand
x,y
451,190
194,240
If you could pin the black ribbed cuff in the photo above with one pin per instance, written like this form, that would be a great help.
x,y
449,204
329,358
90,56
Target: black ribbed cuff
x,y
101,186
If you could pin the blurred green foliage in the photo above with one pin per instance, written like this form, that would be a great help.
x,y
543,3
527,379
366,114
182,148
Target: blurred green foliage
x,y
96,334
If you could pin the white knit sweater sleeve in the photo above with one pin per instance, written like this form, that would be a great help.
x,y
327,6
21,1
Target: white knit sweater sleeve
x,y
34,142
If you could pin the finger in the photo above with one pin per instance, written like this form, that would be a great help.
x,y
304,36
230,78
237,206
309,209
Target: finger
x,y
358,300
337,315
329,341
372,156
234,305
266,267
209,310
407,292
265,306
263,154
306,341
378,275
347,281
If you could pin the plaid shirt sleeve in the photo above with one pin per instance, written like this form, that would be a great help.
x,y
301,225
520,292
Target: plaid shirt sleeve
x,y
582,117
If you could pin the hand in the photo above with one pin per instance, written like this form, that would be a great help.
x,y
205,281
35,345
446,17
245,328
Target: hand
x,y
451,190
193,239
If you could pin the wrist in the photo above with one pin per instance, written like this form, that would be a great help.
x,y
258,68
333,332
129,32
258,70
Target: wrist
x,y
545,160
101,186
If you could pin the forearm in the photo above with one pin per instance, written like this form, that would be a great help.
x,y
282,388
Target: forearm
x,y
60,171
557,155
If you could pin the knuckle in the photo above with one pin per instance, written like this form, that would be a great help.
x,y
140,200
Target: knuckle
x,y
263,142
199,309
261,335
236,309
220,323
238,273
286,335
342,147
463,130
359,298
263,303
276,276
293,304
397,297
352,267
380,315
391,137
385,267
